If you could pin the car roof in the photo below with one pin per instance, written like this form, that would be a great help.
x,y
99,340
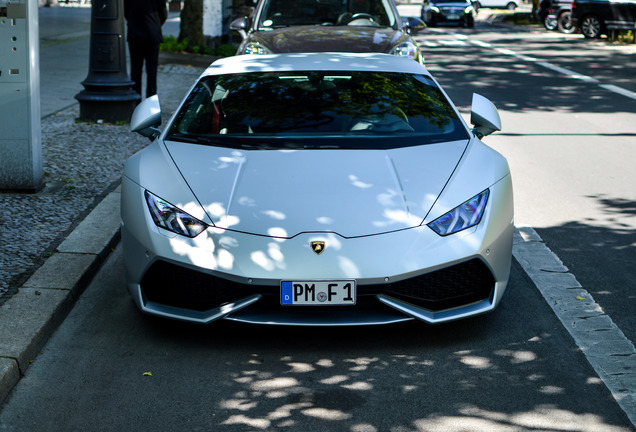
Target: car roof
x,y
369,62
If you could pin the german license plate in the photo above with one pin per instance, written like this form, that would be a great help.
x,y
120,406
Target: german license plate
x,y
318,293
453,17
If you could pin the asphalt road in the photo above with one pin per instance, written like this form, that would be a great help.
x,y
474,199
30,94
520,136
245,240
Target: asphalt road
x,y
570,143
110,368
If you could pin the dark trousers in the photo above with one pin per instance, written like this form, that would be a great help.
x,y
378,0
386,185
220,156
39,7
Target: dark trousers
x,y
140,53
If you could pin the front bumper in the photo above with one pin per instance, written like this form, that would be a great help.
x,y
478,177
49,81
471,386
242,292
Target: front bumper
x,y
451,17
403,275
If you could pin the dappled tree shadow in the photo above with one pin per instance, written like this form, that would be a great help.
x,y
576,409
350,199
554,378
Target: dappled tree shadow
x,y
583,244
495,372
536,88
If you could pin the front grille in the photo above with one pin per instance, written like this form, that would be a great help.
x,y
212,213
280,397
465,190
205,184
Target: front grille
x,y
455,286
447,288
177,286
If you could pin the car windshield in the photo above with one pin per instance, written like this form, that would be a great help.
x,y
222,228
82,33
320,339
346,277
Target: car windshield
x,y
302,109
285,13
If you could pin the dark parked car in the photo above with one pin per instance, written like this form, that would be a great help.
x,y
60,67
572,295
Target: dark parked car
x,y
597,17
288,26
458,12
556,14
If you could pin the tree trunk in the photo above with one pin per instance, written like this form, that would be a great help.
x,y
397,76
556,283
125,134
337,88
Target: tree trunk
x,y
192,24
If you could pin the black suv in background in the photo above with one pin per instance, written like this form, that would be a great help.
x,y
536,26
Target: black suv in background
x,y
458,12
556,14
597,17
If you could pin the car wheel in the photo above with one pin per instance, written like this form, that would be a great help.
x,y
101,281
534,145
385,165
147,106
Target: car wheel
x,y
511,6
470,22
591,26
476,5
564,23
549,23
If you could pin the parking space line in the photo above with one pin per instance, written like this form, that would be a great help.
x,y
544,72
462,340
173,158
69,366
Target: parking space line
x,y
619,90
606,348
567,72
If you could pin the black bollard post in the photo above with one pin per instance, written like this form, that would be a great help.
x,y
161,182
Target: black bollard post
x,y
107,93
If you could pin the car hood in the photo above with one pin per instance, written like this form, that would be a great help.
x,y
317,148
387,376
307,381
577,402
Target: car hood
x,y
329,39
282,193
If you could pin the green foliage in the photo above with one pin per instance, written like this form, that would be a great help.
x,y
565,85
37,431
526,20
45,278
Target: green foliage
x,y
626,36
172,44
226,50
201,50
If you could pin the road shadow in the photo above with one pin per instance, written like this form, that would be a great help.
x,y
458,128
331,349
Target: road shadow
x,y
582,245
528,86
515,369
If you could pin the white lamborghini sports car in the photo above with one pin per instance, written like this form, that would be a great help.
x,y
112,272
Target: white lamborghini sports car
x,y
318,189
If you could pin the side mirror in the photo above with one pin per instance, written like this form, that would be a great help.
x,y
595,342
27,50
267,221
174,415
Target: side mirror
x,y
147,117
484,116
240,25
414,24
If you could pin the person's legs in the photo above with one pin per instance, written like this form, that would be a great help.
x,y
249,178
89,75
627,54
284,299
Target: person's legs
x,y
136,64
152,63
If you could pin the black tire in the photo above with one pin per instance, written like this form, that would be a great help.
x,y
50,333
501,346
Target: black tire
x,y
511,6
476,5
564,23
550,23
470,23
591,26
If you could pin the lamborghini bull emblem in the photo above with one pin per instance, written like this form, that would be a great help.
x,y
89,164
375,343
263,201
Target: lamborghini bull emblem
x,y
318,247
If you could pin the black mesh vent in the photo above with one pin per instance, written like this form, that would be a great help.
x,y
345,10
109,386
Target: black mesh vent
x,y
447,288
177,286
461,284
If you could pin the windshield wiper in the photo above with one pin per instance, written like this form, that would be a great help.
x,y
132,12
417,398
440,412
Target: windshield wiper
x,y
195,139
219,141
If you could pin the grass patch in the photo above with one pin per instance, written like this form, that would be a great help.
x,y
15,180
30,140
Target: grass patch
x,y
172,44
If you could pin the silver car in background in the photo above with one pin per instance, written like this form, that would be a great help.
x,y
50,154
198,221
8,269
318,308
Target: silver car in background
x,y
317,189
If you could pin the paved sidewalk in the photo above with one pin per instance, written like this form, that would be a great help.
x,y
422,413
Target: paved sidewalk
x,y
54,241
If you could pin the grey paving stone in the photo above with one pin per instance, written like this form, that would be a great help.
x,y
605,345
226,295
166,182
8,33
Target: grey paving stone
x,y
9,376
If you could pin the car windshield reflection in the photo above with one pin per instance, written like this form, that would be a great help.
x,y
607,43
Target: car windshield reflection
x,y
313,105
285,13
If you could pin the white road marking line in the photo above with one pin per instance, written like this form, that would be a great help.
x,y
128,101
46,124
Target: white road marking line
x,y
570,73
619,90
610,353
452,42
481,44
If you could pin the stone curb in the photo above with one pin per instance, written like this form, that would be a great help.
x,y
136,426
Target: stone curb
x,y
32,315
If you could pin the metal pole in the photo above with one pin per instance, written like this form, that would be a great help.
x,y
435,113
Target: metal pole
x,y
107,93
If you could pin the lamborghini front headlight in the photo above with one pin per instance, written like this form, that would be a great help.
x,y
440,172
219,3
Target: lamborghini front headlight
x,y
171,218
461,217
